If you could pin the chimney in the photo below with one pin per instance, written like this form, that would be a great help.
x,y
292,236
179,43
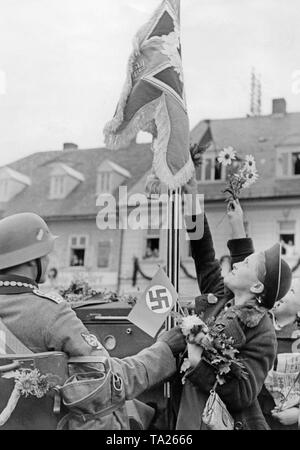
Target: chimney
x,y
279,106
70,146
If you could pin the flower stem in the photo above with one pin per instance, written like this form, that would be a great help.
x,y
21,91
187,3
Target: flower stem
x,y
10,407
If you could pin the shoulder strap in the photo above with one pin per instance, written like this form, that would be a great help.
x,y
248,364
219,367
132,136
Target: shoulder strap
x,y
9,343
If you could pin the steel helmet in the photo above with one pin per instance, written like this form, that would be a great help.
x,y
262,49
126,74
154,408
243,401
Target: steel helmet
x,y
24,237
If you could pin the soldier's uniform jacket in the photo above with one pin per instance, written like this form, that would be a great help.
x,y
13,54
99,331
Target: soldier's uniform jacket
x,y
47,323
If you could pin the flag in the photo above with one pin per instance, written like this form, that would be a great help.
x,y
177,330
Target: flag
x,y
154,305
153,98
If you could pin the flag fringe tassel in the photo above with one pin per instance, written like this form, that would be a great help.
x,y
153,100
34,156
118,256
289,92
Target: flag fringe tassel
x,y
159,147
153,114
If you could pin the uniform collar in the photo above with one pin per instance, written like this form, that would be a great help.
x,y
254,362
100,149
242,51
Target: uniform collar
x,y
15,284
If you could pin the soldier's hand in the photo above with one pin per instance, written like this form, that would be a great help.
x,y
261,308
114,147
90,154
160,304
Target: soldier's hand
x,y
175,340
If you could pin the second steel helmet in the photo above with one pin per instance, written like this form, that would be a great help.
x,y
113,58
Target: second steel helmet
x,y
23,237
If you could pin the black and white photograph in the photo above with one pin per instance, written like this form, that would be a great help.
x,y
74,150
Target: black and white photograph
x,y
149,218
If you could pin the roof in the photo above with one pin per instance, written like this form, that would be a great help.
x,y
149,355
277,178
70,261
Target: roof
x,y
119,169
253,135
258,136
82,200
21,178
72,172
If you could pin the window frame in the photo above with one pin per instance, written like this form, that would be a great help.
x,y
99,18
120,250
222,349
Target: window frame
x,y
109,256
213,157
4,189
104,178
289,151
58,191
79,247
147,237
289,231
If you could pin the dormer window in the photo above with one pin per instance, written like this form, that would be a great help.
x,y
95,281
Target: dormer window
x,y
64,180
110,176
210,169
104,182
58,186
288,163
288,157
3,189
12,183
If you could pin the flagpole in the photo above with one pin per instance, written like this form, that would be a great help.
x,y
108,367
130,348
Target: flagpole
x,y
173,256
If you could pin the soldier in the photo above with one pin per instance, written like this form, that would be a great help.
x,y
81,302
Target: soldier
x,y
45,322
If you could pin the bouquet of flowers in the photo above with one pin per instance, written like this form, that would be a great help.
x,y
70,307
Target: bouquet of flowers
x,y
216,348
80,291
243,178
28,382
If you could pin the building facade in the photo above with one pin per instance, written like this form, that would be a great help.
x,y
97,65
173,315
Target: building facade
x,y
64,186
272,205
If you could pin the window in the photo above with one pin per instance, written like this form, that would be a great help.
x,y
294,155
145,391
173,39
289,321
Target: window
x,y
78,251
211,169
103,254
58,185
3,190
152,244
296,163
287,237
288,163
104,182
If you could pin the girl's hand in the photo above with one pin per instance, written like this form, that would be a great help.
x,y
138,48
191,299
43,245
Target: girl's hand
x,y
234,211
236,219
287,417
194,354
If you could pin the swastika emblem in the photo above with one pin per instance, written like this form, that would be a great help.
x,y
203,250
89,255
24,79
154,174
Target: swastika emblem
x,y
296,346
159,299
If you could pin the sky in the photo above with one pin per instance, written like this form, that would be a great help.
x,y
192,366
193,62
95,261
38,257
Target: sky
x,y
63,63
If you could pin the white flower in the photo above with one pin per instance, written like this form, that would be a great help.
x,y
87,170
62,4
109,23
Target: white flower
x,y
250,164
189,322
226,156
251,178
